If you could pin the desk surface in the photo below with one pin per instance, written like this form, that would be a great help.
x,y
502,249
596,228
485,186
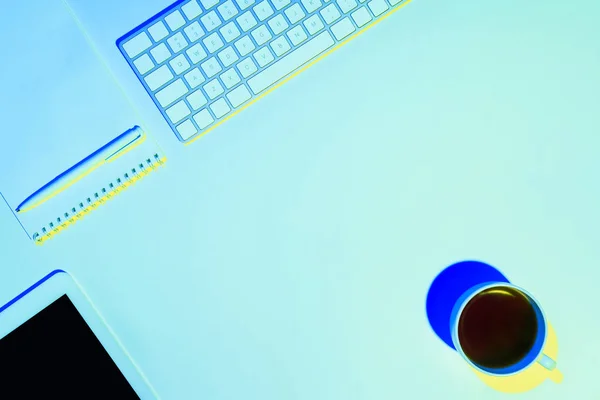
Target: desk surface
x,y
287,255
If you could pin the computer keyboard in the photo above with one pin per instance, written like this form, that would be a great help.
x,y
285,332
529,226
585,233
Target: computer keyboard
x,y
203,61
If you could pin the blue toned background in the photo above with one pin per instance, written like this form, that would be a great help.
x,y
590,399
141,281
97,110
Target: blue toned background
x,y
287,255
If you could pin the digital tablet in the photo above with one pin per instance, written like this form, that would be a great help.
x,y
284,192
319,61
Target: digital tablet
x,y
55,345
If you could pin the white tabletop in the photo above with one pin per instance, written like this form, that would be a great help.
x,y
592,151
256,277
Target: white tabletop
x,y
287,254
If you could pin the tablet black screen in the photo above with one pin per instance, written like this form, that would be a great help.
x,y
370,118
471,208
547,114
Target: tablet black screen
x,y
55,355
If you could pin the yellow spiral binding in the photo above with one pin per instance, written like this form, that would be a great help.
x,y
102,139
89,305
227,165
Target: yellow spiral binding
x,y
99,198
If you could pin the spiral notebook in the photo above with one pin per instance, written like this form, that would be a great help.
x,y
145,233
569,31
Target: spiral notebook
x,y
60,108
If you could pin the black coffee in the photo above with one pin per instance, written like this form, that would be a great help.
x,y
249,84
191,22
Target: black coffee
x,y
497,327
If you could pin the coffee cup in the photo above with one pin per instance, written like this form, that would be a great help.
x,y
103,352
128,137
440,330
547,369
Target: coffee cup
x,y
500,330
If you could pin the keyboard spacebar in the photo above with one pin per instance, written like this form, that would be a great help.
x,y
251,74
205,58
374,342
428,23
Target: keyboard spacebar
x,y
290,62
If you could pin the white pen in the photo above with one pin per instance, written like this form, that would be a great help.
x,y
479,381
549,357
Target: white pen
x,y
107,153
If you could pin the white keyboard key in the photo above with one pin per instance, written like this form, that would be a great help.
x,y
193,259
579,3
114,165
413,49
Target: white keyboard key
x,y
230,78
177,42
194,78
247,67
246,21
228,56
187,129
294,13
179,64
158,78
311,5
197,99
230,32
347,5
330,14
244,46
227,10
280,46
178,112
378,7
138,44
211,21
213,89
361,17
211,67
291,62
193,31
394,2
278,24
297,35
279,4
175,20
220,108
158,31
203,119
243,4
196,53
313,24
171,93
160,53
191,9
239,96
343,28
263,56
143,64
209,3
213,42
261,35
263,10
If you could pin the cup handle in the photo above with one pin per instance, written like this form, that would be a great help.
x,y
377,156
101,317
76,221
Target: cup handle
x,y
555,375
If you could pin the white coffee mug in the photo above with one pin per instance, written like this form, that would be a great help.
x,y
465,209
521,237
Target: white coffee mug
x,y
534,355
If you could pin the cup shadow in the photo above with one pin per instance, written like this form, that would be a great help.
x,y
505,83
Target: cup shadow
x,y
448,286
